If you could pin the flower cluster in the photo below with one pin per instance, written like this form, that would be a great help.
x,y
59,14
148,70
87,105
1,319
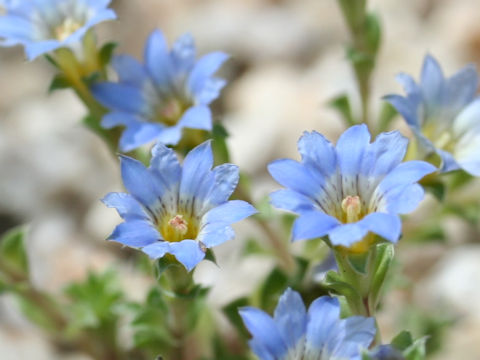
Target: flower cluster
x,y
350,190
293,333
444,114
171,91
181,211
42,26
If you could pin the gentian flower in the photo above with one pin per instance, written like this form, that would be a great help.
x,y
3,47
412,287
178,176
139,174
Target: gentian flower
x,y
156,100
444,115
42,26
293,333
349,191
181,211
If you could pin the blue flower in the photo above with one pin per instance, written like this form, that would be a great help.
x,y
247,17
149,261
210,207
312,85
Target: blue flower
x,y
349,191
444,115
181,211
385,352
293,333
171,91
42,26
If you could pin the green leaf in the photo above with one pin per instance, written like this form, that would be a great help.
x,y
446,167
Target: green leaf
x,y
373,33
436,188
253,247
36,314
106,53
231,312
51,60
59,82
342,104
272,288
383,259
12,252
402,341
416,351
387,114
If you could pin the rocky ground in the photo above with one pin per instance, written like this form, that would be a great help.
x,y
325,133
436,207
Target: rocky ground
x,y
288,61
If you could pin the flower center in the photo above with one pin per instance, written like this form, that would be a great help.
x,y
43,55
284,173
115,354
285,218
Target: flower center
x,y
66,28
352,209
179,228
170,111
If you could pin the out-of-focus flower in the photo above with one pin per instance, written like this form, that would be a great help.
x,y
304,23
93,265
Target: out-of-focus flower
x,y
444,114
293,333
42,26
349,191
181,211
171,91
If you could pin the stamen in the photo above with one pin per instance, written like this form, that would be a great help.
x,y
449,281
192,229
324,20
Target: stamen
x,y
67,28
352,208
179,224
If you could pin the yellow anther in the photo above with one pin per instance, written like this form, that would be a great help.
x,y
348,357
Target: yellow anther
x,y
67,28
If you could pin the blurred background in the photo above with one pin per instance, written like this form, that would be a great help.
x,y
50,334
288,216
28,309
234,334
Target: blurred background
x,y
288,61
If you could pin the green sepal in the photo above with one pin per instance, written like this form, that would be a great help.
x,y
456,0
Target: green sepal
x,y
342,104
366,355
92,78
59,82
106,52
210,256
334,281
231,312
384,253
386,116
13,254
51,60
163,264
359,262
402,341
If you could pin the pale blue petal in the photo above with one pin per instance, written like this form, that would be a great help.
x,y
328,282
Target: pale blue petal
x,y
407,109
318,154
205,67
290,317
384,154
135,233
432,81
217,237
139,182
461,89
157,58
211,91
119,97
469,118
197,117
449,163
126,205
350,149
291,200
188,252
157,250
196,168
137,134
226,178
260,350
324,314
404,199
183,54
467,151
264,331
227,213
116,118
170,135
165,166
129,70
293,175
406,173
347,234
388,226
313,224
